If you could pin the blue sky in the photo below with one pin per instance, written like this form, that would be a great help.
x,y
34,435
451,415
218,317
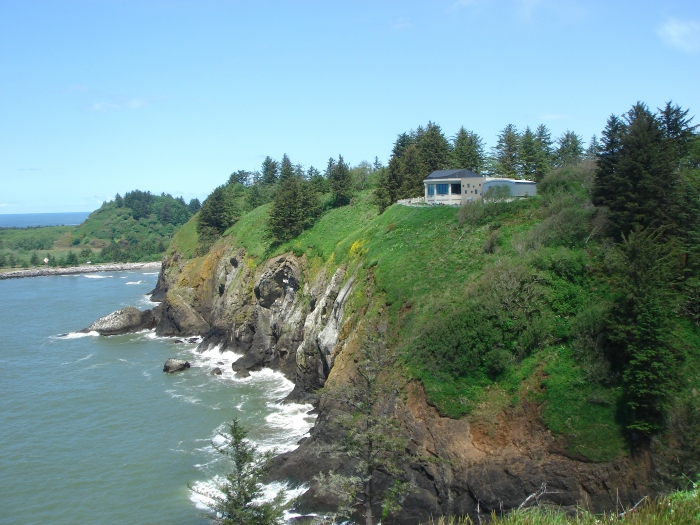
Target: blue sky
x,y
106,96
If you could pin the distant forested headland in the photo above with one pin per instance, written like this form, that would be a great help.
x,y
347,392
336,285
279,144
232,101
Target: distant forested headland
x,y
135,227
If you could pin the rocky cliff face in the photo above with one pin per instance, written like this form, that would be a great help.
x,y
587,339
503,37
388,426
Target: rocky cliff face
x,y
284,315
277,314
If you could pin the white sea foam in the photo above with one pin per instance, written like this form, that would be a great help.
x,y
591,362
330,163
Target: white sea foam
x,y
78,361
204,492
136,282
151,273
76,335
93,276
292,422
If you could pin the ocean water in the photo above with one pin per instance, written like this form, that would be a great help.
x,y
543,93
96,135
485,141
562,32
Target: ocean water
x,y
93,432
28,220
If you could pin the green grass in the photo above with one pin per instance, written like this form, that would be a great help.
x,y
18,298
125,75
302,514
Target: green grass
x,y
582,413
185,239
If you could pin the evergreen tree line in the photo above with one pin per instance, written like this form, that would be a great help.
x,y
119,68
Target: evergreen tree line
x,y
297,196
522,155
167,209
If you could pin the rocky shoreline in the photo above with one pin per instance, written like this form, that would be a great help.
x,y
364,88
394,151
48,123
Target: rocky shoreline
x,y
75,270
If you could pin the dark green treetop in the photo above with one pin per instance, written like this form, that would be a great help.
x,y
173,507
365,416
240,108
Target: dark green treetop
x,y
467,151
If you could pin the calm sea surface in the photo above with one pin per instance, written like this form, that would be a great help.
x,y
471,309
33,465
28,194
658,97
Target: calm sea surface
x,y
27,220
92,431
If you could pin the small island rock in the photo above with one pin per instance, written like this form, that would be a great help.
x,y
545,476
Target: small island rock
x,y
175,365
123,321
216,372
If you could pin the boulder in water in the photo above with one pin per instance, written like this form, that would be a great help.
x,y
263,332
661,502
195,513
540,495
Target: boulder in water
x,y
175,365
123,321
216,372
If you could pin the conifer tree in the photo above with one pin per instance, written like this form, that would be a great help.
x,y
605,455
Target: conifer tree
x,y
644,178
467,151
403,141
376,165
506,152
340,182
413,172
528,156
286,168
604,187
434,148
238,500
294,208
677,129
390,183
593,149
569,151
270,170
640,331
239,177
317,180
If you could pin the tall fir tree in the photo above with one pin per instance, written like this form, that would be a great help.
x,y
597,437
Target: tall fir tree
x,y
340,182
645,177
294,208
569,151
467,151
677,129
593,149
390,183
286,168
270,171
413,173
506,151
403,141
604,187
434,148
529,155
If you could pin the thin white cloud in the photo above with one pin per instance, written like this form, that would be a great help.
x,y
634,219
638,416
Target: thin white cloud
x,y
684,35
3,205
117,104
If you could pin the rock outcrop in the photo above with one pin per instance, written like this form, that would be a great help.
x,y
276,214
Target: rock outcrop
x,y
177,318
458,468
126,320
173,365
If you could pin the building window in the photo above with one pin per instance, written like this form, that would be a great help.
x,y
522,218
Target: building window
x,y
442,189
467,185
456,188
431,189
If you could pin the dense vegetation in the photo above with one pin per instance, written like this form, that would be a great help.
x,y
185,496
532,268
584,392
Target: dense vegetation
x,y
135,227
583,301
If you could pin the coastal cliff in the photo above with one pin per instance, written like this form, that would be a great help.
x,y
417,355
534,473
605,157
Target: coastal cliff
x,y
536,424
